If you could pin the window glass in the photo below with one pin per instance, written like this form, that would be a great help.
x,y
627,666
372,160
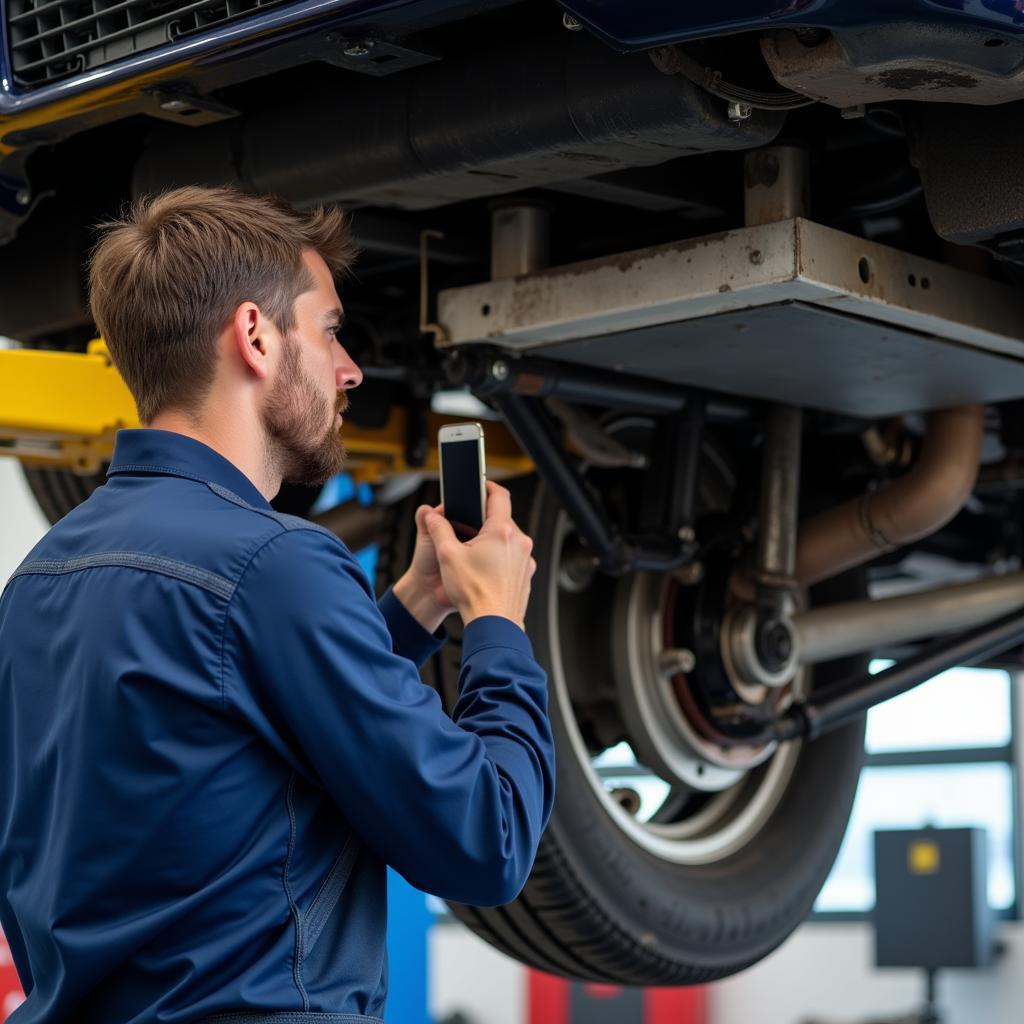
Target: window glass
x,y
916,796
964,707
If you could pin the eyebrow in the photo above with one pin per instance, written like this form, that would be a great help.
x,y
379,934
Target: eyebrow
x,y
335,316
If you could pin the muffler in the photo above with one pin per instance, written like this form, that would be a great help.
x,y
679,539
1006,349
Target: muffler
x,y
492,118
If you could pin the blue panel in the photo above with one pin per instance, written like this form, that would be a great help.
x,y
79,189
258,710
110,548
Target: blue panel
x,y
367,558
631,24
408,923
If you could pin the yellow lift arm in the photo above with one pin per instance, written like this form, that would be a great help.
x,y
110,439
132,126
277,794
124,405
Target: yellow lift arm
x,y
62,409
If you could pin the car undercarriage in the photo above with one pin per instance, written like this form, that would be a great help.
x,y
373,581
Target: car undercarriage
x,y
741,313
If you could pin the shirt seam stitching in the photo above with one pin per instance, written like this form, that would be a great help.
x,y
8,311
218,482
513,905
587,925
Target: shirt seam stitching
x,y
287,522
227,612
184,572
292,905
152,467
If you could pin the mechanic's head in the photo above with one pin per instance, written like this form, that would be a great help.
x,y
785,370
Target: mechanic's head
x,y
210,299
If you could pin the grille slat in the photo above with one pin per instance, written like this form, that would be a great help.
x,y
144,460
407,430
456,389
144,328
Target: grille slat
x,y
85,22
35,12
56,38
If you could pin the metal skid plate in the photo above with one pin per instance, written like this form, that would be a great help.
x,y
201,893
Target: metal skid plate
x,y
792,312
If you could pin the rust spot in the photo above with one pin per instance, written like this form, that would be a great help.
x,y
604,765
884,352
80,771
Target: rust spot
x,y
627,260
923,79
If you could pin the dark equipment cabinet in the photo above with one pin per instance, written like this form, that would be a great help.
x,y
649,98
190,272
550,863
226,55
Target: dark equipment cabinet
x,y
931,903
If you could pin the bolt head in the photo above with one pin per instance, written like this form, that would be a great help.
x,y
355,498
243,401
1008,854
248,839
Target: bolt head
x,y
686,534
739,112
360,49
774,644
23,196
499,369
781,643
676,660
757,257
571,23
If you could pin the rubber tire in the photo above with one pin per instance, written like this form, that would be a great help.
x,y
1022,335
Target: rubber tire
x,y
58,491
597,907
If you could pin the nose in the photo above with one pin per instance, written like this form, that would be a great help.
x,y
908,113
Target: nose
x,y
346,374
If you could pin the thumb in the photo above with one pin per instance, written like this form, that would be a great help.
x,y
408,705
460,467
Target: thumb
x,y
440,529
421,518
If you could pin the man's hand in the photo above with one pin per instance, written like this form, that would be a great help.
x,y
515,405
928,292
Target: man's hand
x,y
490,574
421,589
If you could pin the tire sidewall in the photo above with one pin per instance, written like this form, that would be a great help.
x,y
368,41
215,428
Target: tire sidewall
x,y
729,913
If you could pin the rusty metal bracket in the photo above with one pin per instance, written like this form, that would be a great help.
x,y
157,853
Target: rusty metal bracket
x,y
426,326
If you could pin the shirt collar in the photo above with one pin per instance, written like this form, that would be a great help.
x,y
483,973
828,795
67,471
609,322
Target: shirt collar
x,y
148,450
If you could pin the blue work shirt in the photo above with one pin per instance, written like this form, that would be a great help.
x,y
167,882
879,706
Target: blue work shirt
x,y
212,741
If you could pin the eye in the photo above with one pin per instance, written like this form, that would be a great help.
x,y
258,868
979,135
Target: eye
x,y
334,331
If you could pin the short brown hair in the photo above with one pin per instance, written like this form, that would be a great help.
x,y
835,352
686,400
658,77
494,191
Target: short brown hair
x,y
165,279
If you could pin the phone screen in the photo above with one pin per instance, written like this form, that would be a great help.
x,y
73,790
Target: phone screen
x,y
461,472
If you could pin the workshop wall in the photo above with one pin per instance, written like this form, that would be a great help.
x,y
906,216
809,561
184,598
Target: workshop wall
x,y
23,523
826,973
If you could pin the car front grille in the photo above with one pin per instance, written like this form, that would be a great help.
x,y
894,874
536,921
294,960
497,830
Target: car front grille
x,y
53,39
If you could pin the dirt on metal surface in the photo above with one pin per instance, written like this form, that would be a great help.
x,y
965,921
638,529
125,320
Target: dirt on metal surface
x,y
922,79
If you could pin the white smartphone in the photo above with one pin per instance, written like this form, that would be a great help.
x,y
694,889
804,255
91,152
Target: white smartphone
x,y
460,448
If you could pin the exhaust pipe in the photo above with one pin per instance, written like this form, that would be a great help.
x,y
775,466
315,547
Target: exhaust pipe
x,y
838,630
919,503
494,117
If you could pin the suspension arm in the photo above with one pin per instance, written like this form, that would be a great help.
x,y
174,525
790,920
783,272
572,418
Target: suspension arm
x,y
828,711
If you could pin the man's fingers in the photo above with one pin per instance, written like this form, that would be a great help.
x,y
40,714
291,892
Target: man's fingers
x,y
499,501
423,511
441,532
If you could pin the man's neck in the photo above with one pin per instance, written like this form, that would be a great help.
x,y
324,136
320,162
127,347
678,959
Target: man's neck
x,y
233,441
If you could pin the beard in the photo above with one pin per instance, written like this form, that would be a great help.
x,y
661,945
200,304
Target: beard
x,y
299,448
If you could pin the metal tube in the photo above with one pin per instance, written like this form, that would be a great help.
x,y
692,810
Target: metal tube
x,y
780,494
520,239
838,630
688,435
815,717
775,182
538,380
922,501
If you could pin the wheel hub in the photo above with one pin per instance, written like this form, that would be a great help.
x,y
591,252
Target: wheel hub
x,y
668,734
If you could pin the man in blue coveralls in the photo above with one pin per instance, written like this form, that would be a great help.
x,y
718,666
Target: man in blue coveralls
x,y
212,737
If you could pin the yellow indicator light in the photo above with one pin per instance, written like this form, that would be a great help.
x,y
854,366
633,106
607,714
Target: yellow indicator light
x,y
923,858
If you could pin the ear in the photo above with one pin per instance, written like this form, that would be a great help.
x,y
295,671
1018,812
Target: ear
x,y
249,329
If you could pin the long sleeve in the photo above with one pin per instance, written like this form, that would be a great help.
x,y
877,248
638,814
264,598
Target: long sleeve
x,y
408,637
456,805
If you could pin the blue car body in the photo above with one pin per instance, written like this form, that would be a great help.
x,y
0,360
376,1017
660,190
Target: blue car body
x,y
622,24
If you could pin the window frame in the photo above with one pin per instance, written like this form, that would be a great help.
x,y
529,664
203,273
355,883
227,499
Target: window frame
x,y
1008,754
